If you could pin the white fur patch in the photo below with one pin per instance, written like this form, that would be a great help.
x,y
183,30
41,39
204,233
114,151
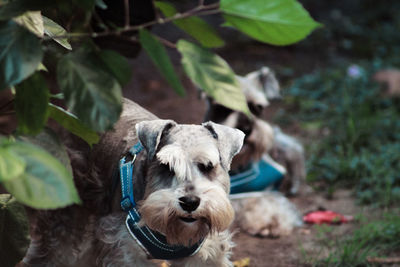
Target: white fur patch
x,y
232,120
253,91
176,158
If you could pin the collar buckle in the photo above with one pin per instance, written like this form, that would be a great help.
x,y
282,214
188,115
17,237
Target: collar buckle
x,y
126,204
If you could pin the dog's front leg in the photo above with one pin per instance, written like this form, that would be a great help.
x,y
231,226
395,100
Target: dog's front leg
x,y
215,251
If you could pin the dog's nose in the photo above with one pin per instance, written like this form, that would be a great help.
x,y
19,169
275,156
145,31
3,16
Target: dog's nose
x,y
189,203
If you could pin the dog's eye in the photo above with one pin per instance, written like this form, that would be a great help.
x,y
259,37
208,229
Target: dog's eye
x,y
167,169
205,168
255,109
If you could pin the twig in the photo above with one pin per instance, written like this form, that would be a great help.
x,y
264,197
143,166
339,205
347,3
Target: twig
x,y
166,42
127,14
199,11
210,12
384,260
157,12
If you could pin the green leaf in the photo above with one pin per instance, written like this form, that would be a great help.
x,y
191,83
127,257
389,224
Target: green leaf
x,y
45,184
18,7
52,29
31,100
160,58
278,22
72,124
10,164
194,26
20,53
42,67
90,91
212,74
101,4
117,66
49,141
33,21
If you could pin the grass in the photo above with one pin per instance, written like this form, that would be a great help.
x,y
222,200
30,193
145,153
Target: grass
x,y
361,146
377,239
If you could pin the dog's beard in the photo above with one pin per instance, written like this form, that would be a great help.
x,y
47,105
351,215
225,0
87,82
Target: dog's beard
x,y
161,212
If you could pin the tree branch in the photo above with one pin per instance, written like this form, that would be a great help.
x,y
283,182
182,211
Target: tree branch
x,y
200,10
166,42
127,14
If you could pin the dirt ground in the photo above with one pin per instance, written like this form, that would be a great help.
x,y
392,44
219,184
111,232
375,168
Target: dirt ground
x,y
293,250
150,90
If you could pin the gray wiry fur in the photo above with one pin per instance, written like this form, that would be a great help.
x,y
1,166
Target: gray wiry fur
x,y
179,162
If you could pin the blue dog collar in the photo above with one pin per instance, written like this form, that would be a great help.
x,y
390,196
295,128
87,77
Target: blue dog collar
x,y
258,177
153,243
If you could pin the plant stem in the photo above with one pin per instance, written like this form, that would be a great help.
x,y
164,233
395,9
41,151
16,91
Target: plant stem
x,y
166,42
200,10
127,15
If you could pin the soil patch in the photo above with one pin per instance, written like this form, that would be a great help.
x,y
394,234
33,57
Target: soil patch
x,y
303,243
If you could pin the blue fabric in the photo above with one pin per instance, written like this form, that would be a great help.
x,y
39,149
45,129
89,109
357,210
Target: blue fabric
x,y
257,177
152,242
125,171
155,244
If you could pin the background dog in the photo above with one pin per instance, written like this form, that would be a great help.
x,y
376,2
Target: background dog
x,y
266,213
181,186
260,87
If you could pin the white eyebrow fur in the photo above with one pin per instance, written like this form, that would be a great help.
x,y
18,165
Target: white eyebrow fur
x,y
177,158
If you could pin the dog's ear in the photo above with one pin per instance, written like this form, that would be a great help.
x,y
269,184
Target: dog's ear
x,y
229,140
150,133
269,83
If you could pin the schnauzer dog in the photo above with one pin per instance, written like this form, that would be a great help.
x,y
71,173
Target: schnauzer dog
x,y
259,87
267,213
165,198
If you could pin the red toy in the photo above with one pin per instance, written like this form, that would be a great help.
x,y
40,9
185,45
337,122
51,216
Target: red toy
x,y
326,216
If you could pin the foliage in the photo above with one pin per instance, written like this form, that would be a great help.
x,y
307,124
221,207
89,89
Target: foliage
x,y
363,140
267,20
32,97
373,239
63,38
358,28
213,74
193,26
44,182
20,55
90,90
160,58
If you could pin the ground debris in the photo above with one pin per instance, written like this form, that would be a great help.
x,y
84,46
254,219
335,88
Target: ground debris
x,y
383,260
245,262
